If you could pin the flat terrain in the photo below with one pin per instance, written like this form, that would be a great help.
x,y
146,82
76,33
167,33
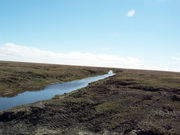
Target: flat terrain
x,y
16,77
133,102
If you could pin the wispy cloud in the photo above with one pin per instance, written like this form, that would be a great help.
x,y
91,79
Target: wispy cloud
x,y
131,13
13,52
176,58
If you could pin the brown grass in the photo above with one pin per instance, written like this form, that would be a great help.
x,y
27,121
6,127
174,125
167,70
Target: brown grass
x,y
17,77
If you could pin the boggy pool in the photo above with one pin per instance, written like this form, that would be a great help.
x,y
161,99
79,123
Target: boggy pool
x,y
48,92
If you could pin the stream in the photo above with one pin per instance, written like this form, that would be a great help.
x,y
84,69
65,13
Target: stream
x,y
48,92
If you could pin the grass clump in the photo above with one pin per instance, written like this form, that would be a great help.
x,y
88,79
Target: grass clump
x,y
17,77
131,102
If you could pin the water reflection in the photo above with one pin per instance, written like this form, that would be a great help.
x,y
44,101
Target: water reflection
x,y
48,92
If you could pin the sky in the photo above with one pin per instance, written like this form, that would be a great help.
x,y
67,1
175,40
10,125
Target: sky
x,y
136,34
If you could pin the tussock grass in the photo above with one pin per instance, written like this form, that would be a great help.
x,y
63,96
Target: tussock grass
x,y
131,102
17,77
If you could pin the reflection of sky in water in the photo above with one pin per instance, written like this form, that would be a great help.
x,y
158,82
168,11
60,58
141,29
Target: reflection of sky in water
x,y
48,92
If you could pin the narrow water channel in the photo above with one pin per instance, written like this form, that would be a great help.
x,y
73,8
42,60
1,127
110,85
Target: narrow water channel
x,y
48,92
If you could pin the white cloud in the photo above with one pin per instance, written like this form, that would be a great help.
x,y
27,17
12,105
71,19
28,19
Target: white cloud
x,y
175,58
131,13
12,52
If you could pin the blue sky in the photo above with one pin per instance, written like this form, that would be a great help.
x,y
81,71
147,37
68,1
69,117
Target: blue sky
x,y
114,33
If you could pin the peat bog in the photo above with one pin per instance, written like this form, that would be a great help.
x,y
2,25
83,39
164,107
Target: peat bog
x,y
133,102
17,77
